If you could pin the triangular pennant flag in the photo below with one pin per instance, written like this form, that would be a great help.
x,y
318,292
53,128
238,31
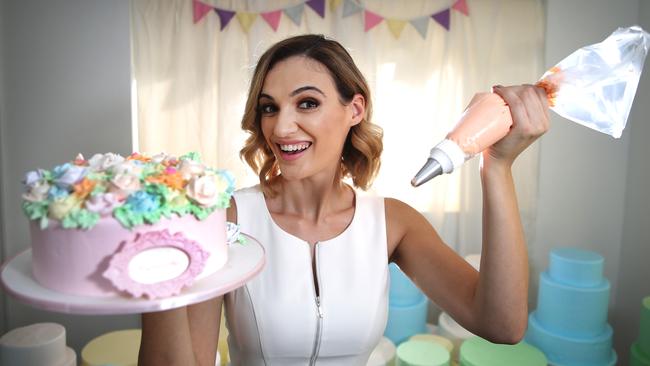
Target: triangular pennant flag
x,y
246,20
334,4
421,25
350,8
295,13
224,16
442,18
396,26
318,6
372,20
461,6
273,18
200,9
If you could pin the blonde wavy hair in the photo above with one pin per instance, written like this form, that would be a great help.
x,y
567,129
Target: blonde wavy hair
x,y
360,158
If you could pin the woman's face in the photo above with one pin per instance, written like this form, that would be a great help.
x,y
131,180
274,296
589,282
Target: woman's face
x,y
303,119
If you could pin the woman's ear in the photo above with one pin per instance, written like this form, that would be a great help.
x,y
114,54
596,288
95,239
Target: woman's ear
x,y
358,106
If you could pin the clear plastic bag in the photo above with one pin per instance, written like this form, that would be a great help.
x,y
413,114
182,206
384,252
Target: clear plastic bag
x,y
595,85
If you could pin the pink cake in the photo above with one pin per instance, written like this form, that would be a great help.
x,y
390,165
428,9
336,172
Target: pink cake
x,y
134,226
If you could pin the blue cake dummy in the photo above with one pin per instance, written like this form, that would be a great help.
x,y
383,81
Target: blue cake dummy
x,y
570,322
407,308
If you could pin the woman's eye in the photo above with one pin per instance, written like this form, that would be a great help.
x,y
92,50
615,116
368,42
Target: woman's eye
x,y
308,104
267,109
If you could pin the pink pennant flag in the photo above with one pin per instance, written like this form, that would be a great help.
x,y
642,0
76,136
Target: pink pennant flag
x,y
200,9
371,20
273,18
461,6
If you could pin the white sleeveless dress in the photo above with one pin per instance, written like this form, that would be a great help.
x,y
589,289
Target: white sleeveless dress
x,y
277,318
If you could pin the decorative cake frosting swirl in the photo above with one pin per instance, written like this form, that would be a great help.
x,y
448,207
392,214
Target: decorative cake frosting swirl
x,y
135,190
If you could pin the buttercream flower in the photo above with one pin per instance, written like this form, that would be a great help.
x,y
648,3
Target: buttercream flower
x,y
80,160
162,158
38,192
190,169
34,177
102,162
57,193
60,208
124,184
103,203
67,175
205,190
84,188
143,202
132,167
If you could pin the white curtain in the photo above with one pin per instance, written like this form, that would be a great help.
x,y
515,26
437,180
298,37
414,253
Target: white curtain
x,y
191,82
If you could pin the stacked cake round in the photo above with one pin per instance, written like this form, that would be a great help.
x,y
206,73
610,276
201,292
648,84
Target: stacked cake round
x,y
146,226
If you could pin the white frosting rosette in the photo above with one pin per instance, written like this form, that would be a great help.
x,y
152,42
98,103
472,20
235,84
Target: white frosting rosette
x,y
103,162
123,185
206,189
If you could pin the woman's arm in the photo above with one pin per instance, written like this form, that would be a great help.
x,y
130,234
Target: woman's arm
x,y
186,336
494,303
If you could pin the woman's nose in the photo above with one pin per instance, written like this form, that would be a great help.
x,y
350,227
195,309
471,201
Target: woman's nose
x,y
286,123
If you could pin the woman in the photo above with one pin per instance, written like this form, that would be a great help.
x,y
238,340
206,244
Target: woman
x,y
322,297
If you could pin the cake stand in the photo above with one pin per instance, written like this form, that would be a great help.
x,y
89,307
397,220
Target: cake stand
x,y
244,262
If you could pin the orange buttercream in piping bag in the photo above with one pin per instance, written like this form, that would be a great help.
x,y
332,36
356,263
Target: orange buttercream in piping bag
x,y
594,86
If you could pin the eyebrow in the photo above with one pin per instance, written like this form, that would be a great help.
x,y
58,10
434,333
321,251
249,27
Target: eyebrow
x,y
295,92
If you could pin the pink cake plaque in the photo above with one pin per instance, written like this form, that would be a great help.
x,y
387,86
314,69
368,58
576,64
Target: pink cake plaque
x,y
156,264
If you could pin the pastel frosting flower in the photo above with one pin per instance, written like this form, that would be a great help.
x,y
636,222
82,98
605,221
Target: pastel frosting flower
x,y
34,177
205,190
57,193
132,167
103,203
125,184
38,192
102,162
142,202
67,175
190,169
60,208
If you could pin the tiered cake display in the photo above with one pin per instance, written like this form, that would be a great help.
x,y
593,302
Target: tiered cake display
x,y
641,348
407,308
570,323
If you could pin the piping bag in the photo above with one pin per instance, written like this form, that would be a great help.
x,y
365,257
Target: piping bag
x,y
594,86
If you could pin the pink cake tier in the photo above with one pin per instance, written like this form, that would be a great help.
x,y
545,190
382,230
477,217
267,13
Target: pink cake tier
x,y
141,226
74,261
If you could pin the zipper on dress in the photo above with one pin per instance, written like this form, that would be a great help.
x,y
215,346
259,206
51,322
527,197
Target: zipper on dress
x,y
319,323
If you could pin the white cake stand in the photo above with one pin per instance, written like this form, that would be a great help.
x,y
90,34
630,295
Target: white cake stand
x,y
244,262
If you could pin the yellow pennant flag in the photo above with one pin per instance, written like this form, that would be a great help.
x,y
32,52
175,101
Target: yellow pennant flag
x,y
396,26
334,4
246,20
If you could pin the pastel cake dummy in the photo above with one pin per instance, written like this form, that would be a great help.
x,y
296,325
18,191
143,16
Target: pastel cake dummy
x,y
570,322
407,307
640,350
134,226
36,345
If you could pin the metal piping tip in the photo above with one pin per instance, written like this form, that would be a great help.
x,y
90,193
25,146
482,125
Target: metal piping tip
x,y
430,170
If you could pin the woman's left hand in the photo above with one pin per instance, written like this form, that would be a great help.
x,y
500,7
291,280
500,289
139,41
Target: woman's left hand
x,y
530,116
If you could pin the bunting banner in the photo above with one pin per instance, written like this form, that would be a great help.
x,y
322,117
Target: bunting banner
x,y
350,7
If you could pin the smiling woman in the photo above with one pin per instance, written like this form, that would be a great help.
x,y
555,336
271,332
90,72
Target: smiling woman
x,y
328,245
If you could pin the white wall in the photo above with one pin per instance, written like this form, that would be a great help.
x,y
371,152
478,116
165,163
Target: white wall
x,y
634,264
67,90
587,183
3,314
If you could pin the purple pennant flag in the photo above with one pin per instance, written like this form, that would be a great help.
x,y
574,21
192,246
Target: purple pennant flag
x,y
224,16
318,6
442,18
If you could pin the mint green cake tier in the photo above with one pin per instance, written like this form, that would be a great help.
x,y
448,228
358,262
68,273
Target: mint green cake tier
x,y
573,311
644,327
637,358
421,353
479,352
576,267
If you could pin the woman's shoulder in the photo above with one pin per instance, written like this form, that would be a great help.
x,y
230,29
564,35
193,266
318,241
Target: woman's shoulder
x,y
251,190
